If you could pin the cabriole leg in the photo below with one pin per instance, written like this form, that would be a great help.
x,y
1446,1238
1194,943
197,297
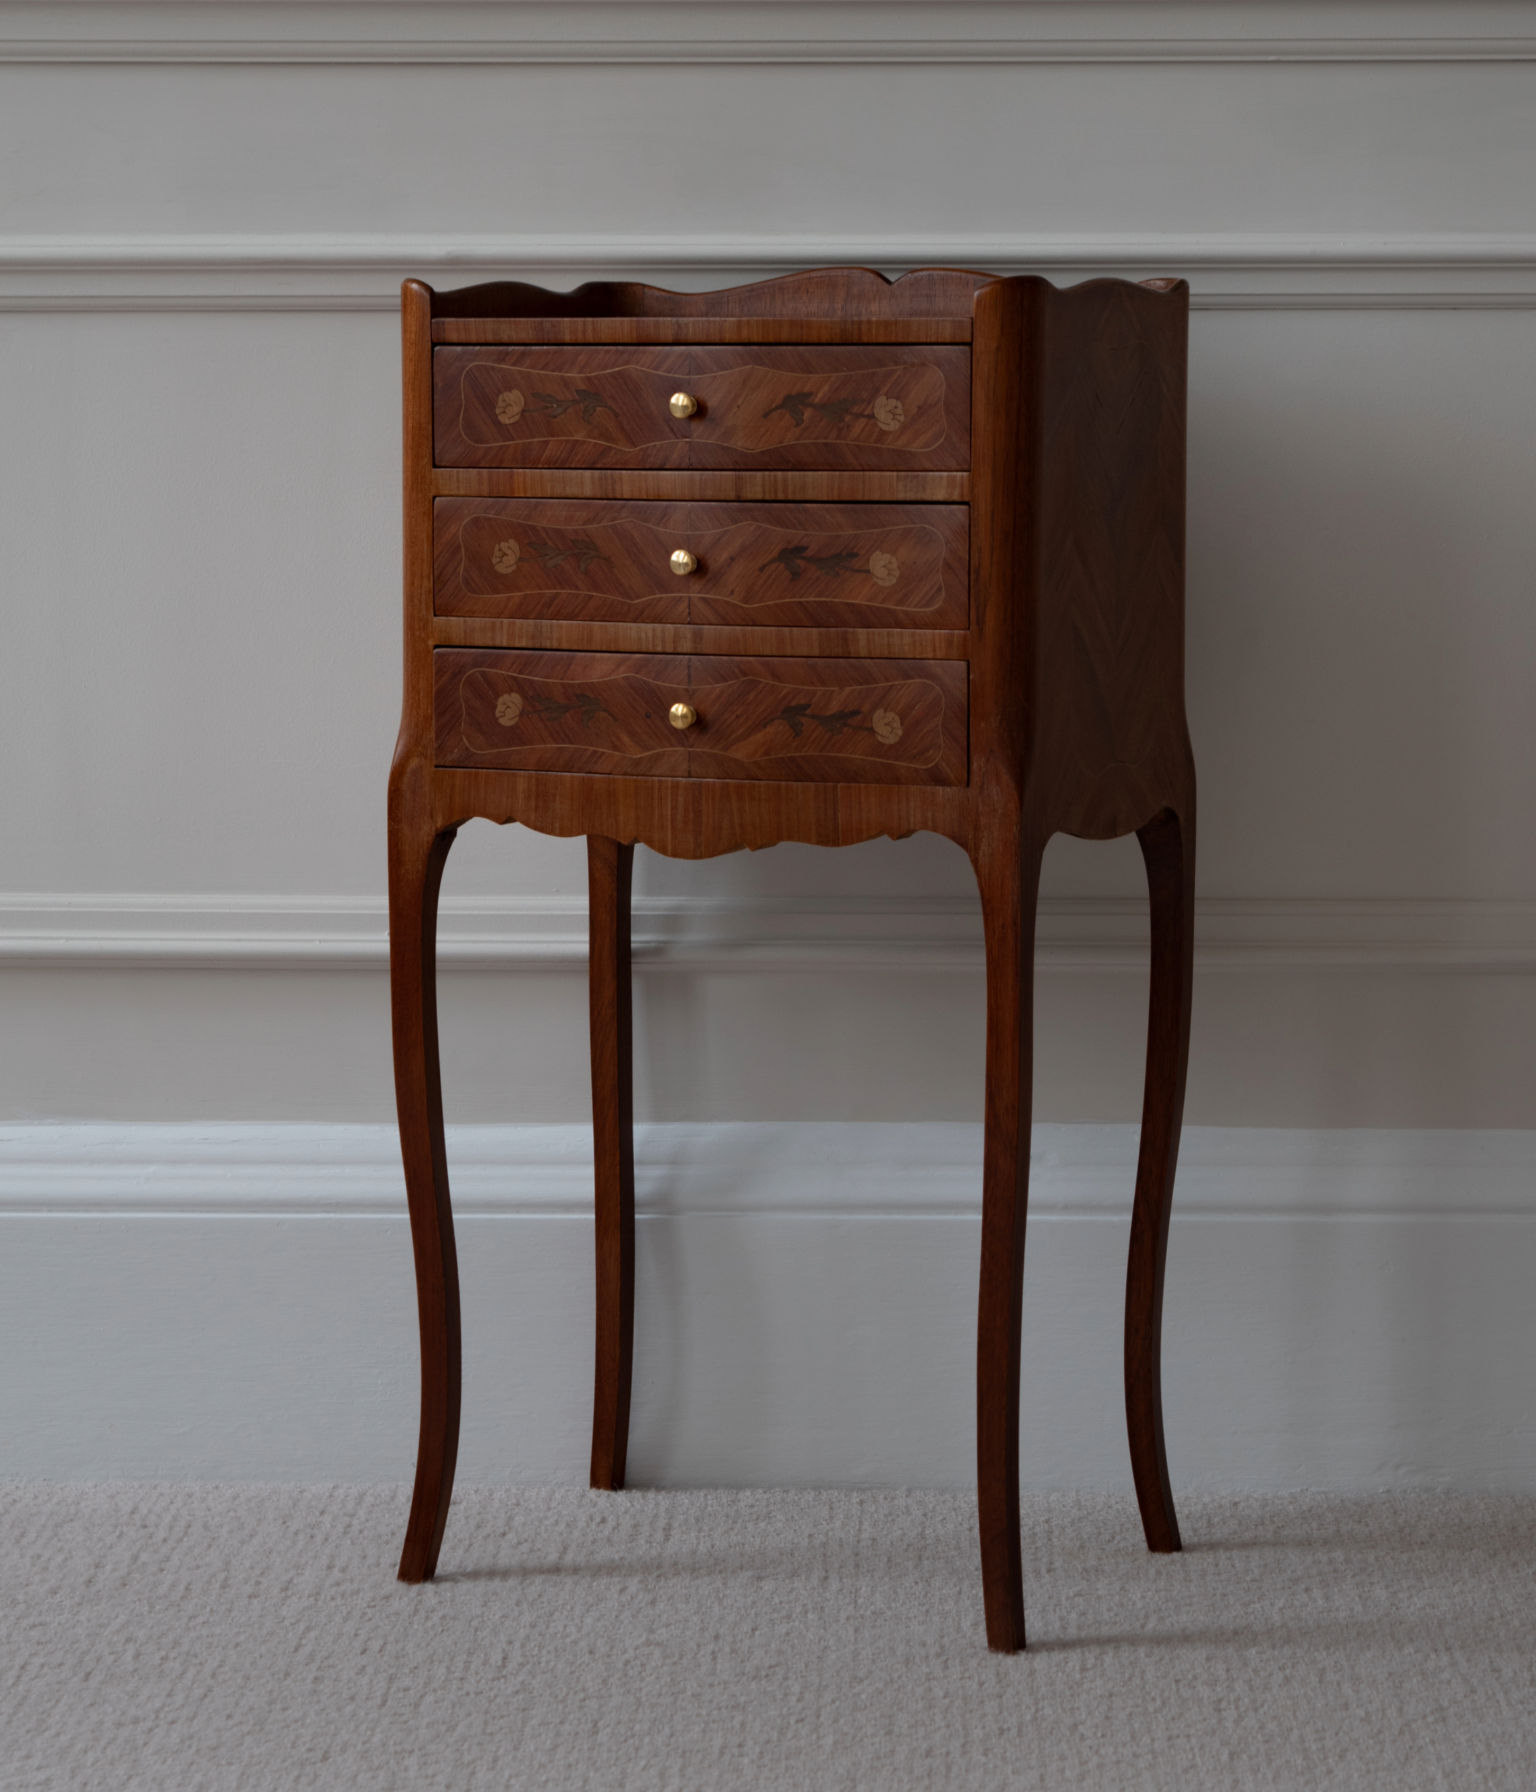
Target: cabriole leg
x,y
416,859
1168,846
1009,877
609,867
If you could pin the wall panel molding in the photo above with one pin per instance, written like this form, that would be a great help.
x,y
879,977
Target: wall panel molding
x,y
832,1169
1450,271
766,934
424,33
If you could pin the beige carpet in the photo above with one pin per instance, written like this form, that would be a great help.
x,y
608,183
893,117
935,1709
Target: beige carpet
x,y
214,1638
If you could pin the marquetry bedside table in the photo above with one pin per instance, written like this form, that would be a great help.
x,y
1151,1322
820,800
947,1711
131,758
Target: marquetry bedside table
x,y
820,559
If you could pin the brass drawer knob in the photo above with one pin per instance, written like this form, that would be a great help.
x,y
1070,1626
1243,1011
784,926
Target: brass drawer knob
x,y
682,404
682,715
682,562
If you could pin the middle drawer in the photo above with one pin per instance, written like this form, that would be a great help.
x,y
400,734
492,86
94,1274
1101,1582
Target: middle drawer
x,y
769,565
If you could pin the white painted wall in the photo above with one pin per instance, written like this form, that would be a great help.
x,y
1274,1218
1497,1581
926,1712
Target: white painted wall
x,y
206,212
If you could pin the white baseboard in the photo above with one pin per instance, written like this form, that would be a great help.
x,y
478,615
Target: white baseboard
x,y
1344,1309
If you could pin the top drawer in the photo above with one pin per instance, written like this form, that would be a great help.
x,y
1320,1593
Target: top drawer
x,y
833,409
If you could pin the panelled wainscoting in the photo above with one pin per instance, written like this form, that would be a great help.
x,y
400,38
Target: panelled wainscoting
x,y
200,256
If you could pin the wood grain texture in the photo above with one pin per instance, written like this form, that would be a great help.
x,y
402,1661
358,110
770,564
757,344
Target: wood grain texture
x,y
798,720
850,407
675,330
729,487
665,637
1168,848
609,871
1111,502
1007,864
781,565
1074,717
857,295
417,854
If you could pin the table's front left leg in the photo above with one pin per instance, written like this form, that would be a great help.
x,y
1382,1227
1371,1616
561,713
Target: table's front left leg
x,y
609,868
416,857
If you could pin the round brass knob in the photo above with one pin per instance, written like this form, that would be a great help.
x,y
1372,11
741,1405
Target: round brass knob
x,y
682,404
682,562
682,715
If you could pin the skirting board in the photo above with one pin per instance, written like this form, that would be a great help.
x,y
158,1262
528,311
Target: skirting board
x,y
1344,1309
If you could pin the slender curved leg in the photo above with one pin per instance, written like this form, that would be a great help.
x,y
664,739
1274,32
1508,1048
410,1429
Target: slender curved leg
x,y
613,1138
1009,875
416,858
1168,846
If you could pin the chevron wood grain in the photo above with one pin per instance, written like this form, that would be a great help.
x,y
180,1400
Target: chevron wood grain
x,y
931,577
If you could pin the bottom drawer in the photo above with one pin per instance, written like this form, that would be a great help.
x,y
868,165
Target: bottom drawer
x,y
823,721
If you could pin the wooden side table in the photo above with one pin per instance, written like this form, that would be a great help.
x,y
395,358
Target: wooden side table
x,y
820,559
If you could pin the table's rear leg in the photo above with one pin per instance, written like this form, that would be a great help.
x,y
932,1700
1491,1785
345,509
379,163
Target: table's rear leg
x,y
609,867
1168,846
1009,875
416,858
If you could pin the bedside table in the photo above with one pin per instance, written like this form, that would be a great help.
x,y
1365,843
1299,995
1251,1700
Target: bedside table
x,y
820,559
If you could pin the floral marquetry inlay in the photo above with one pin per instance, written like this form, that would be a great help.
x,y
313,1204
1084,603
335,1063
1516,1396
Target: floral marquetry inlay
x,y
509,407
887,726
890,413
509,707
786,565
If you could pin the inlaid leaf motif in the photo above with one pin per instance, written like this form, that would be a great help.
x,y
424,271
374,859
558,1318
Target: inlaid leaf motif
x,y
551,709
509,407
591,403
508,708
830,565
832,410
505,556
887,727
884,569
796,715
584,549
889,413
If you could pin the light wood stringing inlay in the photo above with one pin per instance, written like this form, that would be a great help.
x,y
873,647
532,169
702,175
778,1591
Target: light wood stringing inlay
x,y
844,721
792,566
810,406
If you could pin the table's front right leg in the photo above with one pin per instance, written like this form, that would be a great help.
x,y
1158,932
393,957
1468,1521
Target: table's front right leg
x,y
609,868
416,858
1008,871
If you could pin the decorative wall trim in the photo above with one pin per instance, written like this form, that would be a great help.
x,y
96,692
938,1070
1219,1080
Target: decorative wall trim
x,y
747,52
847,1169
324,273
438,32
775,935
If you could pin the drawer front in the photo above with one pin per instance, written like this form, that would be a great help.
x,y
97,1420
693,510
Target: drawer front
x,y
853,408
796,721
770,565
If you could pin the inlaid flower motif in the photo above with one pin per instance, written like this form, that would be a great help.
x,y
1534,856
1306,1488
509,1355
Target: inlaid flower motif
x,y
889,413
504,556
508,708
887,726
509,407
884,569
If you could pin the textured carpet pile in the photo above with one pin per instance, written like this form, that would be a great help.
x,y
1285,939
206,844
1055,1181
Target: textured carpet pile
x,y
235,1637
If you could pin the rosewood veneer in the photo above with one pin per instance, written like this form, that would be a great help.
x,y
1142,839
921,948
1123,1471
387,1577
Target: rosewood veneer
x,y
820,559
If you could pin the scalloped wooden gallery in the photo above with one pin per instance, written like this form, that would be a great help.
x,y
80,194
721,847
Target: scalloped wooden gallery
x,y
820,559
